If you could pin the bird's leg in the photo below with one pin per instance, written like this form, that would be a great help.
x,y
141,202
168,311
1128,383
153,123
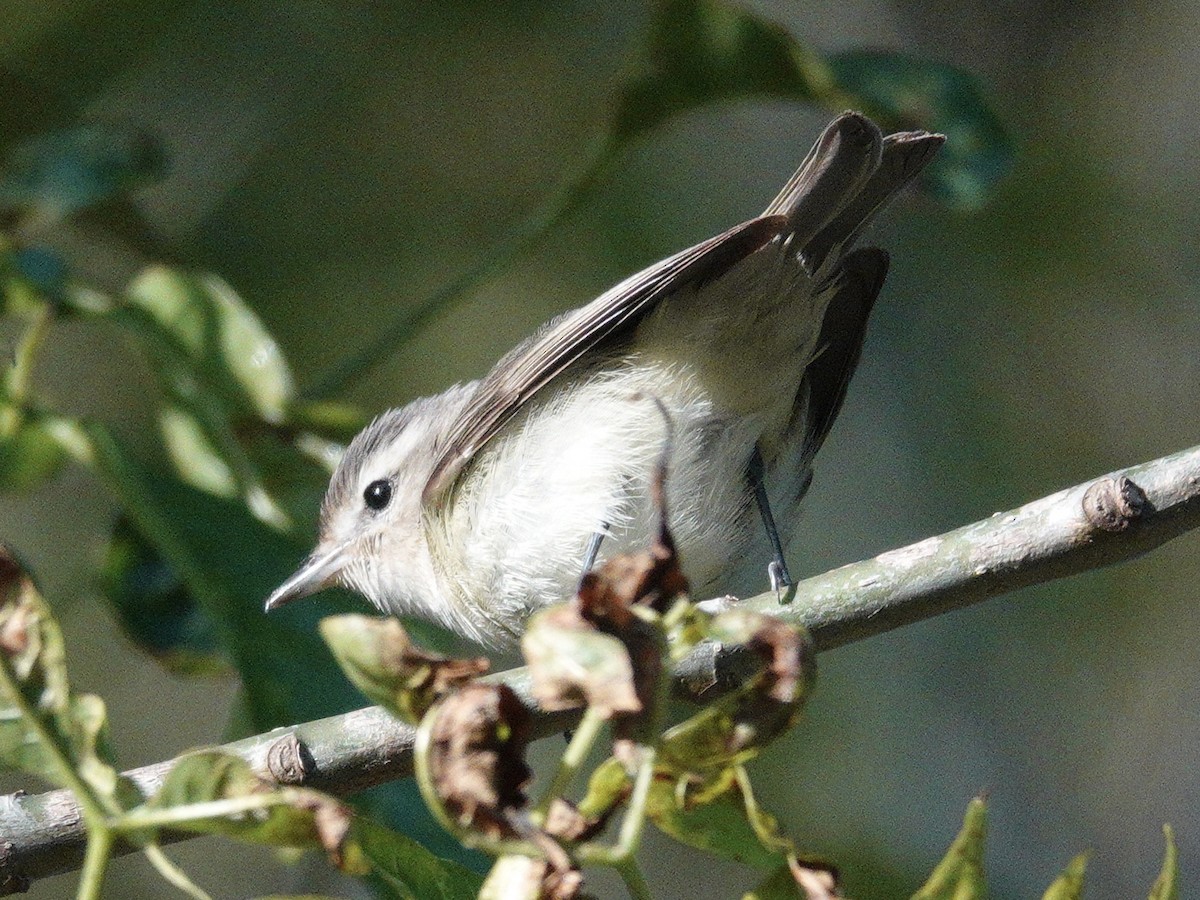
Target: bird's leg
x,y
777,570
593,549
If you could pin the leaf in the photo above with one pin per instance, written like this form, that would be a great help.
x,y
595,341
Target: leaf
x,y
228,561
718,824
29,457
226,343
45,730
337,421
196,459
908,92
378,657
1166,885
797,881
68,170
959,876
222,374
571,663
1068,885
779,885
702,52
608,787
515,877
476,758
45,270
155,609
705,51
410,869
279,817
607,647
735,728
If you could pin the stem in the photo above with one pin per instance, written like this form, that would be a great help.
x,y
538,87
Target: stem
x,y
422,748
768,837
635,818
1048,539
95,862
635,881
20,374
173,874
94,812
137,819
571,191
633,823
581,745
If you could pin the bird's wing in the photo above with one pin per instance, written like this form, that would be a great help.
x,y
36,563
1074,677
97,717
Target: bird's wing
x,y
537,361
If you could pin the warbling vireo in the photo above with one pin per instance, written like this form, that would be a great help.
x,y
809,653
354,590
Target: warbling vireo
x,y
475,507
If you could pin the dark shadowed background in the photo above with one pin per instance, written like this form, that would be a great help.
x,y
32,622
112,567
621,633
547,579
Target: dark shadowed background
x,y
336,160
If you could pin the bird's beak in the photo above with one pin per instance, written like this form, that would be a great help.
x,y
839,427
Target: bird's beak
x,y
316,573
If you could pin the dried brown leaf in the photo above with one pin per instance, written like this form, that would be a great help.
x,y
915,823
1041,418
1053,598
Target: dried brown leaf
x,y
571,663
477,757
770,701
381,660
527,878
818,882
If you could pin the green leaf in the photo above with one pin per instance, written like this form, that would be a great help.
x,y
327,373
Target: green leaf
x,y
228,562
608,786
20,294
64,171
226,343
285,817
1068,885
410,869
224,378
721,822
29,458
779,885
336,421
45,270
908,92
155,609
1166,886
44,729
706,51
196,459
959,876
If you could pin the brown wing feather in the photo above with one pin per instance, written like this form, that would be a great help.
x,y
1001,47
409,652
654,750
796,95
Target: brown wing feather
x,y
537,361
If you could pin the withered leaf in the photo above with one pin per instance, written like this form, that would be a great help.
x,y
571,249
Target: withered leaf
x,y
526,878
798,879
572,663
652,578
818,882
41,720
735,727
477,757
381,660
565,822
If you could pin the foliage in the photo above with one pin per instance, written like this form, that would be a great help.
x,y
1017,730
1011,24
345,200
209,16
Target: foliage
x,y
197,547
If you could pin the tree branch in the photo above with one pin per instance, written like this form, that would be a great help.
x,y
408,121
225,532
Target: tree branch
x,y
1112,519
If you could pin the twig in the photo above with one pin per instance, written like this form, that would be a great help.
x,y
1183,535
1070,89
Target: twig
x,y
1114,518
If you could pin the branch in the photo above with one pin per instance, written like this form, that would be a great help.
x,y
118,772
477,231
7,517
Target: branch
x,y
1112,519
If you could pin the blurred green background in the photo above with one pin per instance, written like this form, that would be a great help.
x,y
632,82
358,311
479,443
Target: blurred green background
x,y
336,160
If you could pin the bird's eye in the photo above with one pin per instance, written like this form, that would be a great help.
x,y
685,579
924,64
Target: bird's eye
x,y
378,494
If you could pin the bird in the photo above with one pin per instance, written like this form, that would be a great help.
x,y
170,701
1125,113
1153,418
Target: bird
x,y
476,507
